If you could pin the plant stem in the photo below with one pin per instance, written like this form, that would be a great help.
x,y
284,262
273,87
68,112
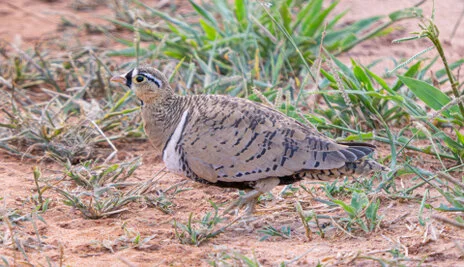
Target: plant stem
x,y
433,36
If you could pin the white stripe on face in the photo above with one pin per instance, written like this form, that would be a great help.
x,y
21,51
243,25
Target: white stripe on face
x,y
135,72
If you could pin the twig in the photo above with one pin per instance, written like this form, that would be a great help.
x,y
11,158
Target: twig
x,y
420,3
458,246
6,83
143,188
448,221
162,3
299,210
343,230
298,257
115,150
126,262
451,179
76,70
447,106
36,229
264,29
9,224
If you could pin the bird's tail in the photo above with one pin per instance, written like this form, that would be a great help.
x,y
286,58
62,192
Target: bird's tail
x,y
359,167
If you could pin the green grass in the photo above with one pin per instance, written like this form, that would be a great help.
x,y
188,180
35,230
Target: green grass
x,y
195,232
232,258
102,190
269,231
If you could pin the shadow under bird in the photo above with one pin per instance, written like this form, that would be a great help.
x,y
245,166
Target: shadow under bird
x,y
233,142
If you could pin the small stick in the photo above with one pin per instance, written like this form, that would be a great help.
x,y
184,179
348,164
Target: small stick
x,y
459,247
446,220
6,83
126,262
298,257
451,179
343,230
61,254
446,107
76,70
115,150
299,210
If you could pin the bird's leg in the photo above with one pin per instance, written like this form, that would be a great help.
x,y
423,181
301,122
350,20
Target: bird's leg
x,y
250,199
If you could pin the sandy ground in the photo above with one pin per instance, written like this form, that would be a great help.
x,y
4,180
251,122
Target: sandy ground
x,y
447,14
104,242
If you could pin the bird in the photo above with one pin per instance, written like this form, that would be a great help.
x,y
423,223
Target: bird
x,y
233,142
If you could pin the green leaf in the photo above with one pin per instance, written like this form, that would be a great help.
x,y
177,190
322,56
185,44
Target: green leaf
x,y
358,201
371,211
362,25
317,22
286,17
448,208
204,13
430,95
310,15
380,81
210,32
350,210
126,52
411,12
363,78
460,136
241,12
344,68
304,14
186,27
371,214
358,137
421,208
411,72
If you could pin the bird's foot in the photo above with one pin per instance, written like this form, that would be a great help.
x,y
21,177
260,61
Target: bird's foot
x,y
248,201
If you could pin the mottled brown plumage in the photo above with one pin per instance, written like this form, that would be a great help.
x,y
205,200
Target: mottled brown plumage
x,y
234,142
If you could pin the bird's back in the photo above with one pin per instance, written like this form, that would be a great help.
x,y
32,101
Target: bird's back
x,y
224,140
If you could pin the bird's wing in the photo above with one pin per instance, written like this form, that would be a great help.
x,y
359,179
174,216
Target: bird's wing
x,y
236,140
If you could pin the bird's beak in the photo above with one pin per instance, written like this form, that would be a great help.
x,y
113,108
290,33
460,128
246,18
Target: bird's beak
x,y
118,79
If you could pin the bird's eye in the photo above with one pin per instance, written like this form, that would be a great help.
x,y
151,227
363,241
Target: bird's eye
x,y
139,78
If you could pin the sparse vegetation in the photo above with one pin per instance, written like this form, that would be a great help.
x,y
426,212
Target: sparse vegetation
x,y
196,232
269,231
98,191
59,110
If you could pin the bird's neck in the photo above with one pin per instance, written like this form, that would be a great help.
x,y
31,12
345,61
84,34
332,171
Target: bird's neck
x,y
161,119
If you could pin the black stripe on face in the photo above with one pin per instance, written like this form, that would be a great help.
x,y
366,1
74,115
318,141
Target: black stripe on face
x,y
150,78
129,79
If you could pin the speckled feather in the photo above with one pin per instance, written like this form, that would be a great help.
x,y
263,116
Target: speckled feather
x,y
234,142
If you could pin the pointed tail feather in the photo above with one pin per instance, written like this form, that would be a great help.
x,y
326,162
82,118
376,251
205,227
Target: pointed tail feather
x,y
359,167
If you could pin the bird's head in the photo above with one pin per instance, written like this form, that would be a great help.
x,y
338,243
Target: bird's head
x,y
149,85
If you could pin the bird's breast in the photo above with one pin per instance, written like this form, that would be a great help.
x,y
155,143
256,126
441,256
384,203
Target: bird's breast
x,y
172,153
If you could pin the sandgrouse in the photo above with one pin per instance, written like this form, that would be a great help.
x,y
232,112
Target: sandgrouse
x,y
233,142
